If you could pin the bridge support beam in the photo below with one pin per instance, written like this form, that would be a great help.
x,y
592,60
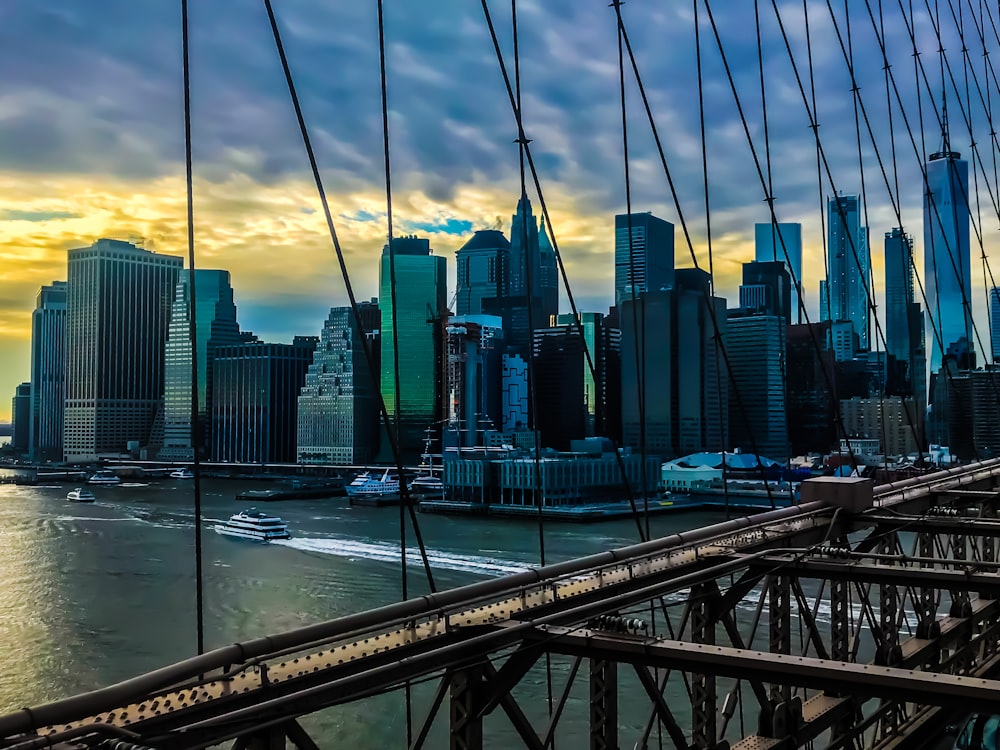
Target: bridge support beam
x,y
466,728
603,704
703,698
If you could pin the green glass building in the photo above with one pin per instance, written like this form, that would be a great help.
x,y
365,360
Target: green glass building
x,y
421,309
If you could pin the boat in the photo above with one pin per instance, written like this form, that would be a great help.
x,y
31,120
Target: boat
x,y
182,474
81,495
104,476
252,524
366,484
427,485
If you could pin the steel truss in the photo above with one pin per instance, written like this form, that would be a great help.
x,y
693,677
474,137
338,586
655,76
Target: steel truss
x,y
844,625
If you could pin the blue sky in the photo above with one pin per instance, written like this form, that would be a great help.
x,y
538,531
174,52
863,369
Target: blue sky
x,y
91,139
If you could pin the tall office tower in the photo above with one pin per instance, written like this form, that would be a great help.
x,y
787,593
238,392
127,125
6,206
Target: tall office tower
x,y
782,242
549,287
483,269
767,289
995,323
117,311
599,340
559,365
904,321
670,339
421,300
947,254
338,407
215,326
473,392
757,415
20,412
48,370
255,389
647,263
810,397
525,257
844,294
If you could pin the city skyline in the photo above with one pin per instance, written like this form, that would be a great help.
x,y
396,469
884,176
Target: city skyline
x,y
117,172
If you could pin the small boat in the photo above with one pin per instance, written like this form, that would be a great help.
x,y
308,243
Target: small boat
x,y
104,476
81,495
367,485
182,474
252,524
427,485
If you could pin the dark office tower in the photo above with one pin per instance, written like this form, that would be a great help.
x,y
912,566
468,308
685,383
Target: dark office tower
x,y
524,251
685,384
647,263
48,363
549,286
767,289
215,326
20,411
421,300
338,407
995,324
483,268
474,398
844,294
117,311
947,254
782,242
599,340
758,418
255,389
904,322
559,386
810,398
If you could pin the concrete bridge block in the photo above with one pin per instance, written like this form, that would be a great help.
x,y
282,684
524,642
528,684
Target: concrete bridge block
x,y
853,494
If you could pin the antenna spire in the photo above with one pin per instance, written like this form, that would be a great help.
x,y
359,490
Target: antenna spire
x,y
945,140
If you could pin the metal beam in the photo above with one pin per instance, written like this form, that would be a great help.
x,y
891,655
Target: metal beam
x,y
648,683
603,704
870,681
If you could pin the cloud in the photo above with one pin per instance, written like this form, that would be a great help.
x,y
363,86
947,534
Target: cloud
x,y
13,214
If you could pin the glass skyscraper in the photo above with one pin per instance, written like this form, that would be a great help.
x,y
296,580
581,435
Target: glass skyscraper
x,y
756,348
947,255
338,417
483,271
647,265
117,311
844,293
421,307
771,243
48,362
216,326
904,324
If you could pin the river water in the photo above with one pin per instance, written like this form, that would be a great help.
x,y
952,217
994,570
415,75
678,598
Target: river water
x,y
92,594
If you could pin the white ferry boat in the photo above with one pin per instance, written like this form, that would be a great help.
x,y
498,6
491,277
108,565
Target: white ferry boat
x,y
104,476
367,485
252,524
182,474
81,495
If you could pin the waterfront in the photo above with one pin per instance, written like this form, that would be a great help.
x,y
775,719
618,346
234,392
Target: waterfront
x,y
97,593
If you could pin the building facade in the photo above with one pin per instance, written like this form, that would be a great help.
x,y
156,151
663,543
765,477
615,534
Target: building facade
x,y
483,267
48,373
904,323
767,289
560,386
947,254
783,243
891,420
758,418
214,311
338,406
255,388
644,259
117,311
421,309
474,346
20,412
845,292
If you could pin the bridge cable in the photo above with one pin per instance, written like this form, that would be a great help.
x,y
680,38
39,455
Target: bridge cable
x,y
708,235
317,177
397,401
196,436
555,246
529,284
706,293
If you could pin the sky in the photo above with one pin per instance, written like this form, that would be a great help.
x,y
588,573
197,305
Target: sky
x,y
92,140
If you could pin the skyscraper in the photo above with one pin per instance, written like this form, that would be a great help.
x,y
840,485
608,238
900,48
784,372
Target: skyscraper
x,y
338,408
421,307
255,389
771,243
844,293
647,264
549,280
48,370
995,323
560,367
117,310
767,289
215,326
904,322
947,255
599,340
474,345
483,270
758,418
20,412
